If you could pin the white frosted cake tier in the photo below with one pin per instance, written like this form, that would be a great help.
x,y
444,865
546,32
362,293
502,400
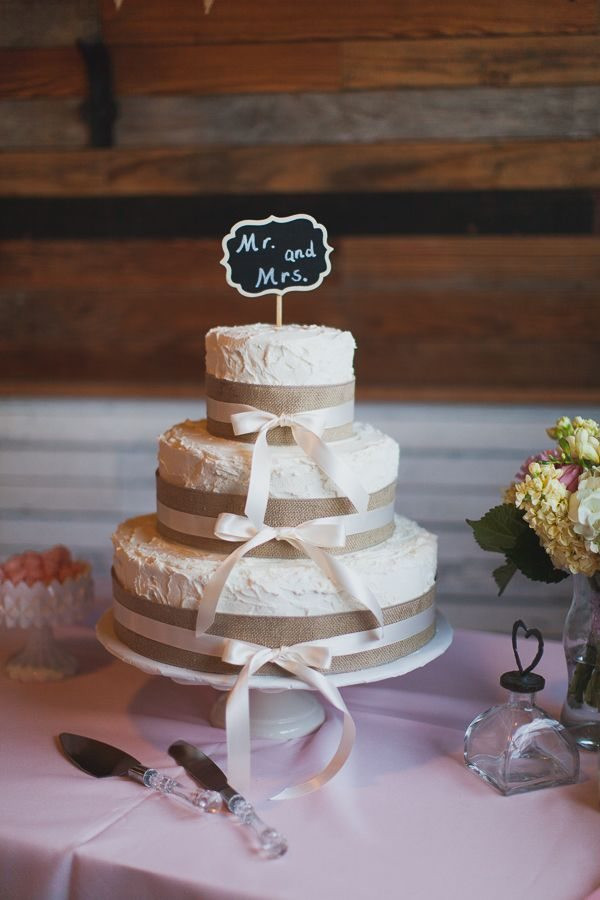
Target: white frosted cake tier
x,y
397,571
189,456
293,355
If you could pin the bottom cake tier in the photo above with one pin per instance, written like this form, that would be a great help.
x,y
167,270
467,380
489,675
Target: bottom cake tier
x,y
158,588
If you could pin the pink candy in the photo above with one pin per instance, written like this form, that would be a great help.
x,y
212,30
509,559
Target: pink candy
x,y
55,564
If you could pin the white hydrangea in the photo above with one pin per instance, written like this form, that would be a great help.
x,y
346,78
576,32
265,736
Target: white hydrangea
x,y
584,510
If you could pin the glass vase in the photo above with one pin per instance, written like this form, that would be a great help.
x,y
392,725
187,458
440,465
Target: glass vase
x,y
581,639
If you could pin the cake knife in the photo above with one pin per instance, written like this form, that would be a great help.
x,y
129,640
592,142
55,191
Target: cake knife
x,y
103,760
206,773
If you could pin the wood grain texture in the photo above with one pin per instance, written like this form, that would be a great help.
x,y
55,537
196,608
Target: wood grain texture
x,y
237,21
309,66
227,68
91,339
481,314
41,72
361,116
314,118
42,123
54,319
406,166
194,264
47,23
555,59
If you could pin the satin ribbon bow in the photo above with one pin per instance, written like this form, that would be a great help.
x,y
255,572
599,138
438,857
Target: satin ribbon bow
x,y
309,538
307,429
300,660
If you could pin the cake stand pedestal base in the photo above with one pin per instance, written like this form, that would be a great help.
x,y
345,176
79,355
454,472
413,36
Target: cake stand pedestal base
x,y
279,715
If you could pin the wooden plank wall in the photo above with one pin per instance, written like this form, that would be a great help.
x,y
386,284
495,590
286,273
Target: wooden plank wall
x,y
452,148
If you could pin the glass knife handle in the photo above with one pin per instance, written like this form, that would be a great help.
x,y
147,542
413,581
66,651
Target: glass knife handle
x,y
272,843
208,801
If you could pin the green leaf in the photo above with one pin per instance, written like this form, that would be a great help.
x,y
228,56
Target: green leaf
x,y
532,560
504,530
503,574
499,529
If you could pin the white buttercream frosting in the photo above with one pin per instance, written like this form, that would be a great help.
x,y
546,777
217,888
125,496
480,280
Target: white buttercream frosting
x,y
398,570
288,355
188,456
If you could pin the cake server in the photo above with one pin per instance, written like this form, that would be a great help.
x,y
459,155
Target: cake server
x,y
206,773
102,760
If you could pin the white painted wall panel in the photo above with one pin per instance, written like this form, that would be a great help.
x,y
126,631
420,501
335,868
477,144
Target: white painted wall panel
x,y
70,470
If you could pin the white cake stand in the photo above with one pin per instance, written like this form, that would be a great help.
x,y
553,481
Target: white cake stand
x,y
282,707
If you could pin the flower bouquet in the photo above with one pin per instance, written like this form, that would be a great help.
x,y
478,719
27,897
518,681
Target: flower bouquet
x,y
549,527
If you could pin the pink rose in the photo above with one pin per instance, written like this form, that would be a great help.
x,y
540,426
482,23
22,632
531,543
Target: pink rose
x,y
569,476
544,456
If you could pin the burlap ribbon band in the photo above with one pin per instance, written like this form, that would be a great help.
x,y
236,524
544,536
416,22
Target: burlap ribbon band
x,y
269,631
278,400
184,515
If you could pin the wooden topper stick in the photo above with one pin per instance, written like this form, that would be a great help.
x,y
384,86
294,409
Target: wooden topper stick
x,y
279,310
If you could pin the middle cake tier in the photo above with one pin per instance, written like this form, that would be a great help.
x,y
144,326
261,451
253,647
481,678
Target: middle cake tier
x,y
201,476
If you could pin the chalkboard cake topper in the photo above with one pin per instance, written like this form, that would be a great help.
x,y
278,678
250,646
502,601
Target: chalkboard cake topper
x,y
276,255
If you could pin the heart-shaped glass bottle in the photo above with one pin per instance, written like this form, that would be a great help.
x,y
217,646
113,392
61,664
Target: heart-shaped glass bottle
x,y
518,747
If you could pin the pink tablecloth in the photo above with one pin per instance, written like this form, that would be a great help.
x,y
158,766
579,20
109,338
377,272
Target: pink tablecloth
x,y
403,819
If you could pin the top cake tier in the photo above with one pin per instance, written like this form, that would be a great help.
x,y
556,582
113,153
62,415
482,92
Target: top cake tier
x,y
291,355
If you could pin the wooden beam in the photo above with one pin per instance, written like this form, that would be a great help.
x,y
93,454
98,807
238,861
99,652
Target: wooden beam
x,y
42,123
403,166
41,72
211,69
47,23
485,212
227,68
237,21
448,311
429,314
566,264
514,61
314,118
308,66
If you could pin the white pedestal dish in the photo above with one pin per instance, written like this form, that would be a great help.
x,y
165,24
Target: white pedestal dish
x,y
274,711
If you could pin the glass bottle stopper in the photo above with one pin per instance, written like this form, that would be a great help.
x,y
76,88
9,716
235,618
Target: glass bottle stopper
x,y
524,681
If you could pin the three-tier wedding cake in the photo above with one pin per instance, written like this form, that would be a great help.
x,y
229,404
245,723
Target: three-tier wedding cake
x,y
275,521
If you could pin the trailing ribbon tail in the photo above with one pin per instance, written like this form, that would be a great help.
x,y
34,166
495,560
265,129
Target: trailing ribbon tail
x,y
240,529
301,660
307,429
344,579
309,538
